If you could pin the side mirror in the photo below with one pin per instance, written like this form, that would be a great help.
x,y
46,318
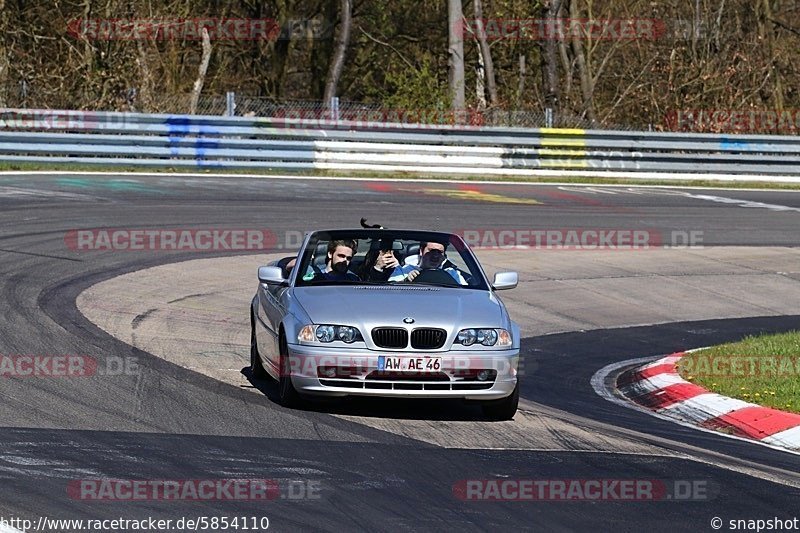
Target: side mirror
x,y
271,275
505,280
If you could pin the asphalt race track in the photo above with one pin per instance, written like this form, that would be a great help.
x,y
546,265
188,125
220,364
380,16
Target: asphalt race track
x,y
364,465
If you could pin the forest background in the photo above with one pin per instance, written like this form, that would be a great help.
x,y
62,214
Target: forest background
x,y
729,59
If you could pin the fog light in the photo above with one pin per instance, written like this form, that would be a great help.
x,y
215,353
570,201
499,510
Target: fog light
x,y
483,375
327,371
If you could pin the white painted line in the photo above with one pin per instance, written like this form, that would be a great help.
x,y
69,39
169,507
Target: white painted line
x,y
149,174
598,382
8,529
743,203
704,407
788,437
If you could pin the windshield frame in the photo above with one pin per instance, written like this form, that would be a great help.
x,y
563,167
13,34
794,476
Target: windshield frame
x,y
455,245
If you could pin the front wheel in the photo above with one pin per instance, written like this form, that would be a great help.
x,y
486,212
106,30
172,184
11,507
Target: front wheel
x,y
256,366
287,394
504,408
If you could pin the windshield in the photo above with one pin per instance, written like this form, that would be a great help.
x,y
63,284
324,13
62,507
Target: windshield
x,y
389,257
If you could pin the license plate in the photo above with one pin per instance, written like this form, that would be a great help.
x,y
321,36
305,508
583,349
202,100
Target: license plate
x,y
409,364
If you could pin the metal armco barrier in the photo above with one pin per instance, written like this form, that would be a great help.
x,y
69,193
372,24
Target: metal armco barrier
x,y
214,142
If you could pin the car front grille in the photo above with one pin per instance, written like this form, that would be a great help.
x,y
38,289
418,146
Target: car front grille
x,y
421,338
428,338
390,337
383,375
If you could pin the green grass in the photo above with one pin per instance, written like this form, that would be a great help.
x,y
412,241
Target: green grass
x,y
762,369
10,167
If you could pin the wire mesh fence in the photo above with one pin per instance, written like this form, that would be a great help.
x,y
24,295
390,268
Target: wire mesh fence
x,y
326,114
373,114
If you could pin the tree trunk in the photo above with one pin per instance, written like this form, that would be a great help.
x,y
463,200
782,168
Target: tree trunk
x,y
486,54
587,87
201,74
337,61
777,94
480,82
549,45
4,63
456,54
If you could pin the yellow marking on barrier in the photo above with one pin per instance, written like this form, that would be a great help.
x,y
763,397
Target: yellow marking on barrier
x,y
563,131
563,137
477,196
565,163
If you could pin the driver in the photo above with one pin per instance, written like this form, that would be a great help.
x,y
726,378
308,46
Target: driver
x,y
432,257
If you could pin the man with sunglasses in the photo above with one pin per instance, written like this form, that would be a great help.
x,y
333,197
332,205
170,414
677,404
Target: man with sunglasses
x,y
431,257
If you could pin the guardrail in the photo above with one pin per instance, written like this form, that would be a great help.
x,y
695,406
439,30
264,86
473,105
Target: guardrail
x,y
213,142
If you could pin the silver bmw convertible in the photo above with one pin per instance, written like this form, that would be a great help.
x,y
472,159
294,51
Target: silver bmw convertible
x,y
393,313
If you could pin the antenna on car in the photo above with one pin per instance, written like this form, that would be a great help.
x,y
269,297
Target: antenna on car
x,y
370,226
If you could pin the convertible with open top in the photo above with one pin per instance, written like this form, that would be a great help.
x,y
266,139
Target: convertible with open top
x,y
432,326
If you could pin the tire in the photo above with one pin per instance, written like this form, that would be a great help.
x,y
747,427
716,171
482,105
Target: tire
x,y
256,366
504,408
287,394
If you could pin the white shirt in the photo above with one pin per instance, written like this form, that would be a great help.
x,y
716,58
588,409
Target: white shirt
x,y
401,272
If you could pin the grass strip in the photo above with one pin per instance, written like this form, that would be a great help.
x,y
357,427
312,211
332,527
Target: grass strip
x,y
761,369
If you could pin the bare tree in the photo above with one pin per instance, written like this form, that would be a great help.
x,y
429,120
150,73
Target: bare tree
x,y
549,45
337,61
587,86
201,74
485,53
455,16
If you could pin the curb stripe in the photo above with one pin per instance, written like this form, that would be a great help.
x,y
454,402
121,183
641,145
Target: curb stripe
x,y
669,360
756,422
667,396
658,386
656,370
705,406
789,438
652,384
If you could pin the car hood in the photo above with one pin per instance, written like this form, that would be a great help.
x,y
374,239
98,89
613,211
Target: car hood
x,y
368,306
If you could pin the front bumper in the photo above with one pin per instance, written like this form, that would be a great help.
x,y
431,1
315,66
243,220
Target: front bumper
x,y
359,375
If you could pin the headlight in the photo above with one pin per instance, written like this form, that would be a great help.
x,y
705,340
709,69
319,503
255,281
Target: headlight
x,y
467,337
325,333
346,334
328,333
485,337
